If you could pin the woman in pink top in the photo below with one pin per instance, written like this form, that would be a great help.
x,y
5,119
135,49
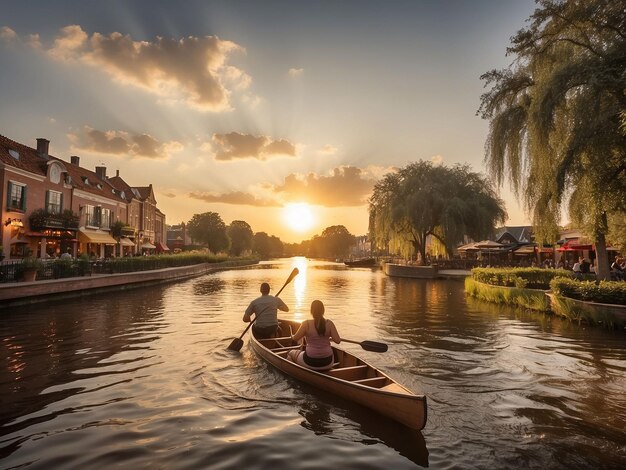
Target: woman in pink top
x,y
318,354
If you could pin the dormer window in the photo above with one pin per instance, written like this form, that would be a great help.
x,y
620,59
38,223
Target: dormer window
x,y
98,185
14,153
86,180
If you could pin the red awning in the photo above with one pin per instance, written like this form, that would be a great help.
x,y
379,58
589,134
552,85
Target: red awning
x,y
161,247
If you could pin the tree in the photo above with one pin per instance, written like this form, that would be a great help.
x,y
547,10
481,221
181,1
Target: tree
x,y
335,241
556,115
240,234
209,229
267,246
422,200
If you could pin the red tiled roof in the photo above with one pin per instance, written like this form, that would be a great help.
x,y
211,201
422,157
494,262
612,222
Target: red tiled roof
x,y
29,160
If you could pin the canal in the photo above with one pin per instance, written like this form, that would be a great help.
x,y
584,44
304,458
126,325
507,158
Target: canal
x,y
143,378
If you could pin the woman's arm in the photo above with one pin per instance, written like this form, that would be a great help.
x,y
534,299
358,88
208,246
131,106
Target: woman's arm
x,y
334,334
301,331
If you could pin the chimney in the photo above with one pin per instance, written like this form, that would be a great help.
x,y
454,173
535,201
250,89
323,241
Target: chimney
x,y
101,172
117,173
74,160
43,145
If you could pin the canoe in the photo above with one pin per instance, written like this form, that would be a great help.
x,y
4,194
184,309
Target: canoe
x,y
350,378
361,262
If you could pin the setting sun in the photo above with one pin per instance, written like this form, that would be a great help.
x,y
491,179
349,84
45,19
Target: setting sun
x,y
299,217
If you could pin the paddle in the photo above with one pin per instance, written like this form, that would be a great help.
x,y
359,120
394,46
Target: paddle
x,y
237,343
373,346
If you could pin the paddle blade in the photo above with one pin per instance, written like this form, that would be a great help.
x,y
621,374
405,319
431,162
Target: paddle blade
x,y
236,344
374,346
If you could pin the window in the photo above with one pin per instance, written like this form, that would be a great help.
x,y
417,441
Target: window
x,y
16,196
90,216
54,202
105,221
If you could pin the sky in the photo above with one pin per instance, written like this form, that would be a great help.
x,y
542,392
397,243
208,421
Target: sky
x,y
283,114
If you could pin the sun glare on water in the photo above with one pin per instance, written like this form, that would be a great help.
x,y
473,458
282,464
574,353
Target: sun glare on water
x,y
299,216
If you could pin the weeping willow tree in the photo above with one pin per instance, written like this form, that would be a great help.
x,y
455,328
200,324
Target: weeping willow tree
x,y
556,114
422,200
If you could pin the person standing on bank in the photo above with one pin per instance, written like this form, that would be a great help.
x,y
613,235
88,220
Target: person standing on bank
x,y
266,310
318,354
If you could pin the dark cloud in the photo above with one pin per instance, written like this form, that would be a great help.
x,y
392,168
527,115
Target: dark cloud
x,y
235,197
122,143
234,145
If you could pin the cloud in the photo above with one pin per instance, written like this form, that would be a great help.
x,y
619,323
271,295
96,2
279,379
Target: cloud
x,y
293,73
344,186
191,69
328,150
7,34
234,145
168,194
234,197
122,143
437,160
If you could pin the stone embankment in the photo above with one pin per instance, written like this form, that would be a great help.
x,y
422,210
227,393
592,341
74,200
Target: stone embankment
x,y
12,294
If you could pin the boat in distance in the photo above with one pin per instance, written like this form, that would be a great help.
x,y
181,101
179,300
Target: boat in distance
x,y
364,262
350,378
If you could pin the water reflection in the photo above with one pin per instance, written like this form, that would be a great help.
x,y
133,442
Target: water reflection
x,y
143,377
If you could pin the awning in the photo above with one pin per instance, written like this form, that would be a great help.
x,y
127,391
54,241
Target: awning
x,y
126,242
525,250
147,246
93,236
161,247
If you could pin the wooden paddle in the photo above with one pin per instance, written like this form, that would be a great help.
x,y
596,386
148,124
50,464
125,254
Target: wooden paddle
x,y
237,343
373,346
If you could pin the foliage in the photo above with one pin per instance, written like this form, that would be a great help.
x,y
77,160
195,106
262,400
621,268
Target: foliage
x,y
606,292
116,229
40,219
267,246
531,278
617,230
240,234
526,298
31,263
555,117
422,199
334,242
209,229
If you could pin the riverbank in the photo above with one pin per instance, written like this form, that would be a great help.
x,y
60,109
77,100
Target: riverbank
x,y
40,291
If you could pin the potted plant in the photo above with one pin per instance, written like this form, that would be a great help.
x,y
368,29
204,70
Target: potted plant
x,y
29,267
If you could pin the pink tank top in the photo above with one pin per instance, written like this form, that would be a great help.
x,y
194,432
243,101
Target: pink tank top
x,y
316,345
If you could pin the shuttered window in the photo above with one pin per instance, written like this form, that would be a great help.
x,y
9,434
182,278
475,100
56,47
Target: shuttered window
x,y
54,202
16,196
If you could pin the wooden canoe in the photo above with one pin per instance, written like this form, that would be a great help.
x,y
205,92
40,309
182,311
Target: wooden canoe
x,y
350,378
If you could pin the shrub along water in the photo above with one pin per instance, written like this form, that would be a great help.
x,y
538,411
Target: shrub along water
x,y
605,292
529,278
533,299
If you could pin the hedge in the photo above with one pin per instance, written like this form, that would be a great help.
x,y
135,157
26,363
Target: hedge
x,y
530,278
604,292
527,298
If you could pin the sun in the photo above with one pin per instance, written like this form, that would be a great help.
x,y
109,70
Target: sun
x,y
298,216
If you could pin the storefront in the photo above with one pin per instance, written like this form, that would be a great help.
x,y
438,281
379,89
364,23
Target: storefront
x,y
96,243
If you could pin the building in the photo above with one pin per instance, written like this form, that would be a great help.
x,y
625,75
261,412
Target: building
x,y
51,206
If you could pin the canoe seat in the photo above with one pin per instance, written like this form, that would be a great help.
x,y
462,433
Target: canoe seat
x,y
286,348
266,340
349,373
372,381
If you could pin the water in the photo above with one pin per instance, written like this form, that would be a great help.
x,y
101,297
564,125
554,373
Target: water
x,y
143,378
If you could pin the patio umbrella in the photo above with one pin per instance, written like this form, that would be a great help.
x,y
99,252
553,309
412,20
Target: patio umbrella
x,y
489,246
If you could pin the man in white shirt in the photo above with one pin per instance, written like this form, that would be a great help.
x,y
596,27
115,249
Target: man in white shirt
x,y
266,310
576,269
